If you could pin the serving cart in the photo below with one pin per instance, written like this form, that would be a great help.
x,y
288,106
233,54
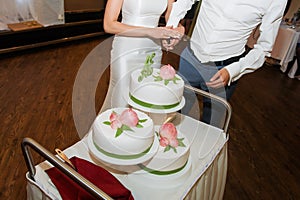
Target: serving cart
x,y
205,179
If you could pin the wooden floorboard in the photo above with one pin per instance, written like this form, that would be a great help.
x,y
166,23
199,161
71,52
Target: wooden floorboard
x,y
36,101
264,152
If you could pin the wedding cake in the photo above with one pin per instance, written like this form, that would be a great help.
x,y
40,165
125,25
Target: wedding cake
x,y
173,152
123,133
156,89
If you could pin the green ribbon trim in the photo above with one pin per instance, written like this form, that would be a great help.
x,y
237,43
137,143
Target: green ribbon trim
x,y
156,172
123,157
153,106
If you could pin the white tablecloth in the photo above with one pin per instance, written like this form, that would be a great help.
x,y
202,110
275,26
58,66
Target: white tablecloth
x,y
48,13
206,180
285,45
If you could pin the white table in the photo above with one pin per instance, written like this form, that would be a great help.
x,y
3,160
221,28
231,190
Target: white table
x,y
285,45
206,180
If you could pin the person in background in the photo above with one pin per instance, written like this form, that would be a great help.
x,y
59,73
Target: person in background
x,y
294,72
297,73
294,66
215,59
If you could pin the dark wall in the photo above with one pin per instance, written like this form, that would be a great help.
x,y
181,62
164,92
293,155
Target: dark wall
x,y
76,5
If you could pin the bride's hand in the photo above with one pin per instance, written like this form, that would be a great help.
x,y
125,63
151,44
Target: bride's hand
x,y
180,29
164,33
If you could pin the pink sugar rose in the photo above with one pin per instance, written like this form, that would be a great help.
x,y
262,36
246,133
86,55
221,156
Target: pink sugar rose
x,y
168,130
168,135
167,72
124,122
115,124
113,116
163,142
173,142
129,118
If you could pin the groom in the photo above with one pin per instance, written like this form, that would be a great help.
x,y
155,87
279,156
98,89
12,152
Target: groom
x,y
216,58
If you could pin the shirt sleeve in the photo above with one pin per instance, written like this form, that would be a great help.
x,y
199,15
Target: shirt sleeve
x,y
268,32
179,10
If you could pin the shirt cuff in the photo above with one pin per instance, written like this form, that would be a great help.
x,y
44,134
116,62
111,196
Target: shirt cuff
x,y
234,71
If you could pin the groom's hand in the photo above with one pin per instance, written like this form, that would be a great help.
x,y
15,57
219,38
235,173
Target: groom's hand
x,y
171,42
220,79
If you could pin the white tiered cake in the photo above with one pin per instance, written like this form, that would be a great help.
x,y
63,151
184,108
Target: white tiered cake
x,y
123,134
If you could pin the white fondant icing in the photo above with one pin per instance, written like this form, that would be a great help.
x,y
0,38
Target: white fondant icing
x,y
164,181
129,142
169,160
155,92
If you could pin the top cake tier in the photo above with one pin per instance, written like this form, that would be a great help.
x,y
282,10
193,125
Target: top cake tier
x,y
159,92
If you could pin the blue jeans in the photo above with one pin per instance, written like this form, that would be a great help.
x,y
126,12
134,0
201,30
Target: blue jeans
x,y
197,74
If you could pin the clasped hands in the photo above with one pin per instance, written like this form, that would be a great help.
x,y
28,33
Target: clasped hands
x,y
172,36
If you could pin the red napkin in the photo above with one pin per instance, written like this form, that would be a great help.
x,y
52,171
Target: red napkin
x,y
100,177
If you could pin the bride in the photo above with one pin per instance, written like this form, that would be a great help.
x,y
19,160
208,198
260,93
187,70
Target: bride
x,y
136,36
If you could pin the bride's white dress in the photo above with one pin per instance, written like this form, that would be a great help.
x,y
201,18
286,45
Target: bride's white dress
x,y
129,53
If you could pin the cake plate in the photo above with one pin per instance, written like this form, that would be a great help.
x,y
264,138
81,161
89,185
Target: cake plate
x,y
117,161
164,181
158,111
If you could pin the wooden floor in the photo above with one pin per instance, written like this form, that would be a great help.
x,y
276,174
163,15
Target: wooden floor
x,y
36,101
